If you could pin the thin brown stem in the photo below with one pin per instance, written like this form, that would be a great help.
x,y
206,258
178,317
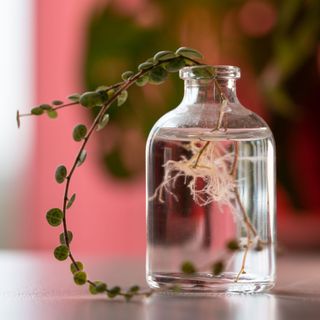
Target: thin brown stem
x,y
55,108
244,258
235,160
200,153
119,88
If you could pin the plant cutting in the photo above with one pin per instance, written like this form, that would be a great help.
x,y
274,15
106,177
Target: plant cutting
x,y
208,169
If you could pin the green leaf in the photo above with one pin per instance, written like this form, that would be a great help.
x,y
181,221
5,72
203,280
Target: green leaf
x,y
37,111
189,53
63,239
176,288
143,80
45,106
175,65
74,97
70,201
233,245
188,267
122,97
145,65
80,278
203,72
134,289
82,158
217,268
53,114
113,292
111,93
102,88
128,296
54,217
103,122
79,132
57,102
157,75
99,287
91,99
127,75
73,267
61,174
164,55
61,253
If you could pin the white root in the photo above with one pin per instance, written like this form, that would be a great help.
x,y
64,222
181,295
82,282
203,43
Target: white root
x,y
208,181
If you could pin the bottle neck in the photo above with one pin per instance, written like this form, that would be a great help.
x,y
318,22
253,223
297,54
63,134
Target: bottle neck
x,y
211,91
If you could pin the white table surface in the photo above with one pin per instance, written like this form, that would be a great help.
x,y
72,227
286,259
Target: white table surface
x,y
35,286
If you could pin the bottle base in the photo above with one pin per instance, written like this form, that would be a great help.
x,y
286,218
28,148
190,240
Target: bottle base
x,y
205,283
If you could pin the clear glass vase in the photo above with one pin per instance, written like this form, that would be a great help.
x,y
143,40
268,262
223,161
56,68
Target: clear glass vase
x,y
210,191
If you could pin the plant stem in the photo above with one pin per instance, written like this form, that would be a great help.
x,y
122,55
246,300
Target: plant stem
x,y
120,87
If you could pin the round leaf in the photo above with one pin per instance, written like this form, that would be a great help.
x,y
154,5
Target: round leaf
x,y
37,111
75,269
164,55
80,278
203,72
52,114
113,292
57,102
143,80
157,75
128,296
233,245
217,268
79,132
122,97
98,287
82,158
134,289
111,93
61,253
54,217
103,122
188,267
127,75
189,53
63,239
145,65
175,65
91,99
74,97
71,200
61,174
102,89
45,106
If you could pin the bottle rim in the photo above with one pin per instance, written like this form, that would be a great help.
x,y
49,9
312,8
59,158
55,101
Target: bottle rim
x,y
210,72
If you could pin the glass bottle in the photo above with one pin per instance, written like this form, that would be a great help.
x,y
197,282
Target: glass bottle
x,y
210,191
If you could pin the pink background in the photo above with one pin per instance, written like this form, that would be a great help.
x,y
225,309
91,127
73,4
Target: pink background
x,y
107,217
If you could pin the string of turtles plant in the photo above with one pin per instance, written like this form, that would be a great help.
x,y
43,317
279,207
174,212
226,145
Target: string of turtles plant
x,y
154,71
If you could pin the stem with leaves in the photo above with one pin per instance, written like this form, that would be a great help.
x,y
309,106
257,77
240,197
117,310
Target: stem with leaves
x,y
153,71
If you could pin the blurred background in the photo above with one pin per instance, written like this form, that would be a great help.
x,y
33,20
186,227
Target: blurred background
x,y
53,48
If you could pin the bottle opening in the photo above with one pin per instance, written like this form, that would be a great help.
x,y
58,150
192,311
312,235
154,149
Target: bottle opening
x,y
210,72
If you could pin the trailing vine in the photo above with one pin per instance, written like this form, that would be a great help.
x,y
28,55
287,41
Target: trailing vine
x,y
154,71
